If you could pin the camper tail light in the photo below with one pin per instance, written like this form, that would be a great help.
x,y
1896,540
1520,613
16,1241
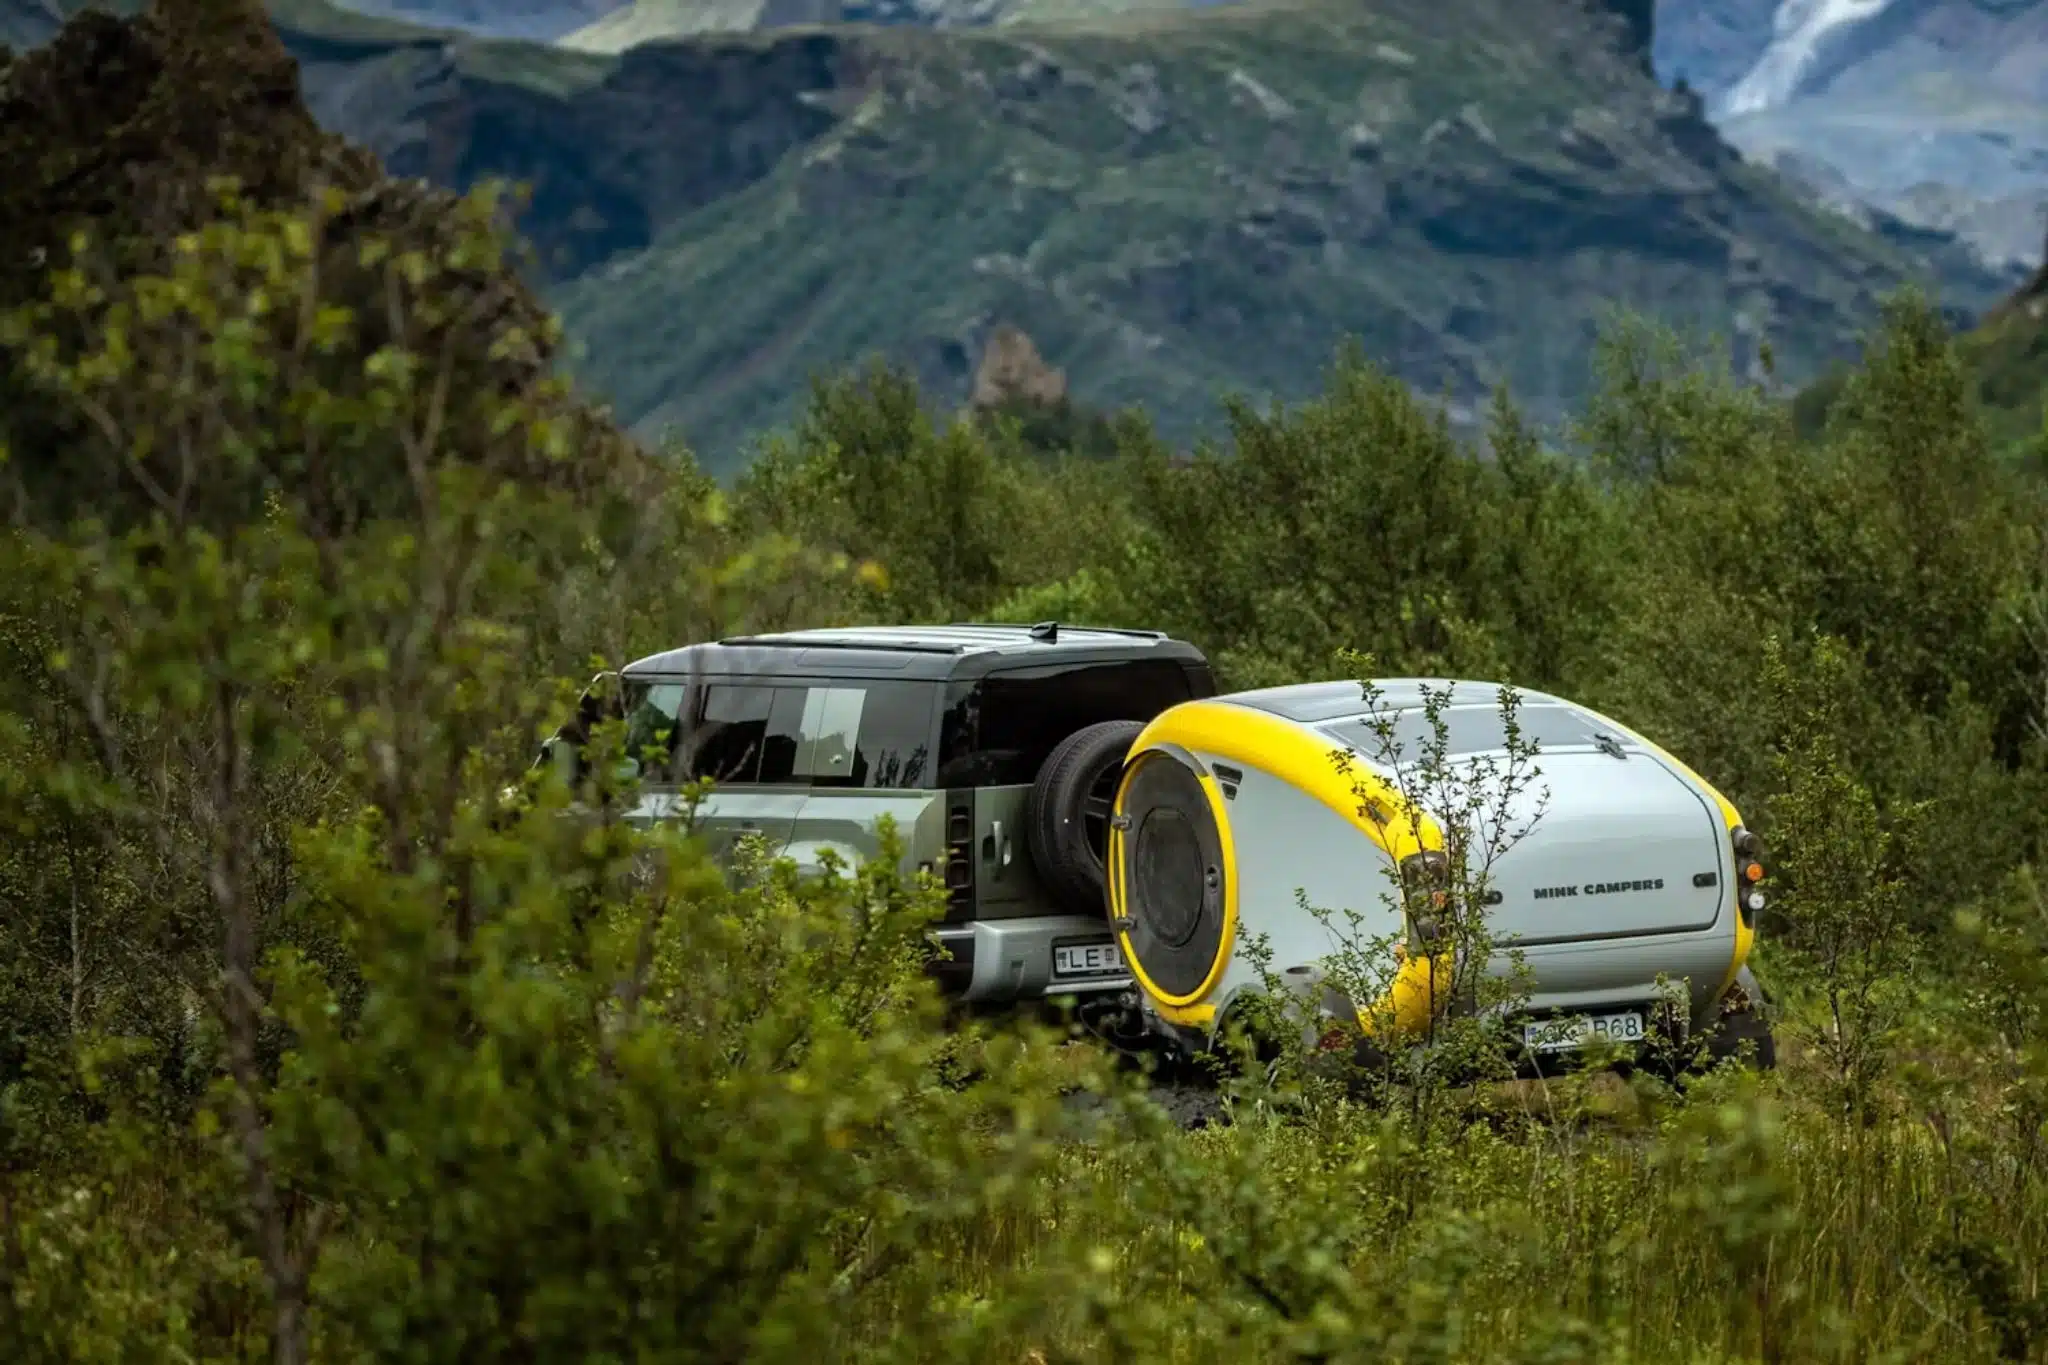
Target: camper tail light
x,y
1749,874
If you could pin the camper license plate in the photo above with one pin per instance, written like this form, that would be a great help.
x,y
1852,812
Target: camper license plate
x,y
1087,959
1559,1035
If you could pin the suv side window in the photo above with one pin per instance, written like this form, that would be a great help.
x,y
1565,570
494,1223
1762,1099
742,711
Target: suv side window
x,y
999,729
871,734
652,720
744,732
866,734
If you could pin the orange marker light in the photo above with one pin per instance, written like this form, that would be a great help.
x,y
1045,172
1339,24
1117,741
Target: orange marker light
x,y
1753,873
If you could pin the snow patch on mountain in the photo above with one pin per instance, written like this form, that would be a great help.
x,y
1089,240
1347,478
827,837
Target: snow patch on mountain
x,y
1803,31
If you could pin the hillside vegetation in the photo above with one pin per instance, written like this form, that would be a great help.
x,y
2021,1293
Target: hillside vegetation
x,y
2005,360
1179,204
1174,203
2009,355
329,1031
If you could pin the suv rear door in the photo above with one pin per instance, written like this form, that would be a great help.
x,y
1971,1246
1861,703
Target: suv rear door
x,y
806,764
867,750
999,730
742,734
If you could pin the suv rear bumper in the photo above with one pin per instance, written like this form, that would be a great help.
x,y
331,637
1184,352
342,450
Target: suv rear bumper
x,y
1014,959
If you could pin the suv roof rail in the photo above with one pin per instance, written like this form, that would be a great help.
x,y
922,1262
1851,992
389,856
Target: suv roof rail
x,y
1045,632
872,645
1049,630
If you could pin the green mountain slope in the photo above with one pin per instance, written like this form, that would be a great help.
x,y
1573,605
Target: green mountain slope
x,y
1172,203
1177,204
658,20
2006,353
542,20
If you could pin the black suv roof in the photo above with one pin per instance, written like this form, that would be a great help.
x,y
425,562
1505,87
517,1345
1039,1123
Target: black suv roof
x,y
924,652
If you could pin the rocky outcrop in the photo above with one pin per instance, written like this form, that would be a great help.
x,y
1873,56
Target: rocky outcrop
x,y
1638,20
667,129
534,20
1012,371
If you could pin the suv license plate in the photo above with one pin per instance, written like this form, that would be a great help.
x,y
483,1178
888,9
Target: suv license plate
x,y
1087,959
1559,1035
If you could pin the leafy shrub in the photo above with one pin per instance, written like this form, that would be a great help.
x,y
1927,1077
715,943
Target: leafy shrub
x,y
331,1028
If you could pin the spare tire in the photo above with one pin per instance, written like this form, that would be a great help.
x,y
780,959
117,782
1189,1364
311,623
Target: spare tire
x,y
1067,820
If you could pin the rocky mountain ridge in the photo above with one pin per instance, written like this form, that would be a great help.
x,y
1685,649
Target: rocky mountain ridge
x,y
1171,204
535,20
1176,206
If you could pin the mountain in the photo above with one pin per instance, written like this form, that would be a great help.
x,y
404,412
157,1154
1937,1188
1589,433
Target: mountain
x,y
1866,103
537,20
1933,110
1170,202
1175,203
645,21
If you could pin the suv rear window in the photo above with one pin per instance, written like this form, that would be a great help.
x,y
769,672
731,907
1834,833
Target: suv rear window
x,y
999,729
839,734
1467,730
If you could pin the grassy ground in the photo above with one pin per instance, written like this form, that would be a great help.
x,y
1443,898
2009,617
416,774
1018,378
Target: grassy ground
x,y
1597,1218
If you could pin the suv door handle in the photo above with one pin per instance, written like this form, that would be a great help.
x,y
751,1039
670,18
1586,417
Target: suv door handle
x,y
999,845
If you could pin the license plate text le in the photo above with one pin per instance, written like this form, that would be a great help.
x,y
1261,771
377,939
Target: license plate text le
x,y
1087,959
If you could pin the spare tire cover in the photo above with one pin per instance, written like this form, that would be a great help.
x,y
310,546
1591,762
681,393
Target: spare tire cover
x,y
1172,874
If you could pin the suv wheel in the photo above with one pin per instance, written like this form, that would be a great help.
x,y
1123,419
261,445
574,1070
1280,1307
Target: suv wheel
x,y
1068,820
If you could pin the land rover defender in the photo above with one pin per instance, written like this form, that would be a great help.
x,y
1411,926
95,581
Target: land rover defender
x,y
996,748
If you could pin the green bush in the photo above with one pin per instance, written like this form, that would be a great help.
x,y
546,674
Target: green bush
x,y
330,1029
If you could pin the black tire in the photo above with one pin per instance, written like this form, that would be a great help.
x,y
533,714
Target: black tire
x,y
1067,820
1746,1035
1744,1032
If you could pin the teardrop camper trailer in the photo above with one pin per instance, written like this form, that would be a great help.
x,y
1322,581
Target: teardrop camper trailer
x,y
1238,816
